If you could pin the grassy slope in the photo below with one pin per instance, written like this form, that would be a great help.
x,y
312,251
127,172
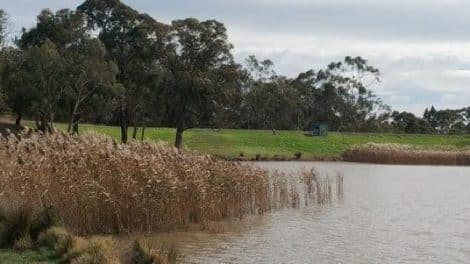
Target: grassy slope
x,y
11,257
231,142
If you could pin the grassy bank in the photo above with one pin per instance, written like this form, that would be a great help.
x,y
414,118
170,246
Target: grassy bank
x,y
29,256
232,143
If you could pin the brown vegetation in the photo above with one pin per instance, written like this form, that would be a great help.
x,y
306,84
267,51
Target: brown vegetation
x,y
405,154
93,185
99,186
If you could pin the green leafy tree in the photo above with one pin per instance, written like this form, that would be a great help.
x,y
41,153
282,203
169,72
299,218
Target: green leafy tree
x,y
408,123
200,54
135,42
341,94
87,71
63,28
3,57
42,75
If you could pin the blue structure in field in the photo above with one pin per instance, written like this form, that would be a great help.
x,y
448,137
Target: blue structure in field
x,y
319,130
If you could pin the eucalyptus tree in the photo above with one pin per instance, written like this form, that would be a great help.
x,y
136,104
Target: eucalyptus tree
x,y
87,71
341,94
63,28
3,57
199,65
84,64
42,75
135,42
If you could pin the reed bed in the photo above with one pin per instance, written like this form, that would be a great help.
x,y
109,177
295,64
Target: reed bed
x,y
406,154
101,187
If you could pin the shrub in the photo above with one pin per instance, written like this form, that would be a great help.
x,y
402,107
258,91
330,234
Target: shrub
x,y
47,218
15,227
142,253
23,243
57,239
97,250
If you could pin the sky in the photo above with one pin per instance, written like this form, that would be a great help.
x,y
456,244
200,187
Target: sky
x,y
422,47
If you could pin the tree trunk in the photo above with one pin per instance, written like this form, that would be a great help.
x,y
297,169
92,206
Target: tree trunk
x,y
143,134
69,128
42,124
75,128
134,133
179,137
18,120
123,125
179,127
38,125
50,126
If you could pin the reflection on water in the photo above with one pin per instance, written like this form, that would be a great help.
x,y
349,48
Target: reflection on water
x,y
389,214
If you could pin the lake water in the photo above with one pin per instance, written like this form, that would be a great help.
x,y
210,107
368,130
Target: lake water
x,y
389,214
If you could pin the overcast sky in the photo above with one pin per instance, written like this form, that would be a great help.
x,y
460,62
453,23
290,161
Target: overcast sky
x,y
422,47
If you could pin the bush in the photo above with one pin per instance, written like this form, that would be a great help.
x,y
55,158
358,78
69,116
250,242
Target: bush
x,y
47,218
15,226
23,243
57,239
97,250
142,253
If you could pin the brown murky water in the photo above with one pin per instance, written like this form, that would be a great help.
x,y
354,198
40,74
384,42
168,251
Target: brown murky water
x,y
389,214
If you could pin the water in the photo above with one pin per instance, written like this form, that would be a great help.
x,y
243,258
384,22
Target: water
x,y
389,214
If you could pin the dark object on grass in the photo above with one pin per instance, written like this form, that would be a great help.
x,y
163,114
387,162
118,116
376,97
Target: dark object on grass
x,y
298,155
258,157
320,130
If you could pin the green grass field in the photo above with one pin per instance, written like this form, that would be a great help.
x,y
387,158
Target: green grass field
x,y
30,256
230,143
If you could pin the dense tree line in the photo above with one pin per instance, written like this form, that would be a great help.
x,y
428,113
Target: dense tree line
x,y
108,63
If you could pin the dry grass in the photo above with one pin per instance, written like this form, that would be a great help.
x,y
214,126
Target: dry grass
x,y
99,186
94,185
406,154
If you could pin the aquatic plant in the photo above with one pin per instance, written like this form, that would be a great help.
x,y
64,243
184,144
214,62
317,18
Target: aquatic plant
x,y
406,154
99,186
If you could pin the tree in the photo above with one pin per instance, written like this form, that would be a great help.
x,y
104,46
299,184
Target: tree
x,y
135,42
340,95
87,71
64,28
42,75
200,53
409,123
3,57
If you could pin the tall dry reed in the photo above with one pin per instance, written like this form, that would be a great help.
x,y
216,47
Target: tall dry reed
x,y
99,186
405,154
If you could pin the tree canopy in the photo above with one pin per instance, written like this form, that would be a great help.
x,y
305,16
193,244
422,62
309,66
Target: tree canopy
x,y
106,62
